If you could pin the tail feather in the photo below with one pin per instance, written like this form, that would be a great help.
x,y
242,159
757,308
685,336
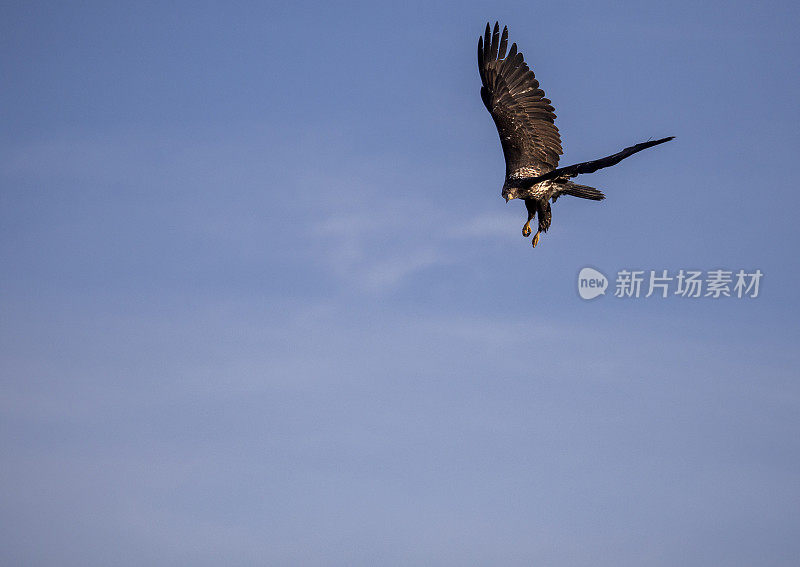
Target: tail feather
x,y
583,191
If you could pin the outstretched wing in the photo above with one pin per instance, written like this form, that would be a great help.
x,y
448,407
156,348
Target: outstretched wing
x,y
524,118
588,166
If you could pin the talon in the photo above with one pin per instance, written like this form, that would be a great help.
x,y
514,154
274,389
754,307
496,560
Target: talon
x,y
526,230
535,240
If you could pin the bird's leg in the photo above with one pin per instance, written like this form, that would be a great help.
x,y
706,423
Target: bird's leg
x,y
526,230
545,216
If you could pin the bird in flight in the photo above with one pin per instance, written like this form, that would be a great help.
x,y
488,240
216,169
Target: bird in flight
x,y
531,142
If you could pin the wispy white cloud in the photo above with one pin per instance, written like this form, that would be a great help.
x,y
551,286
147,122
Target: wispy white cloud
x,y
376,252
389,273
380,251
487,225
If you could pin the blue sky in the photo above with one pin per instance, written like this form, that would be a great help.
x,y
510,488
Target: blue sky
x,y
262,302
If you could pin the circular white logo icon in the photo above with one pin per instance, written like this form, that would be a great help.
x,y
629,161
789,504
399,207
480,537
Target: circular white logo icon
x,y
591,283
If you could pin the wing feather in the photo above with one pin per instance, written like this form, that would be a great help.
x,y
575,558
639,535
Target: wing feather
x,y
525,119
501,52
588,166
495,42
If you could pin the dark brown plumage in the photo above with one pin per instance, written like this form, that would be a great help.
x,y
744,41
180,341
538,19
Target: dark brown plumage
x,y
526,124
524,118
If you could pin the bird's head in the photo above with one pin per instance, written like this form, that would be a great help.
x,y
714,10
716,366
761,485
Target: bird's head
x,y
510,192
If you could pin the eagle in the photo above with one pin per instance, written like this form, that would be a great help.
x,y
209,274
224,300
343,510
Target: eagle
x,y
531,143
